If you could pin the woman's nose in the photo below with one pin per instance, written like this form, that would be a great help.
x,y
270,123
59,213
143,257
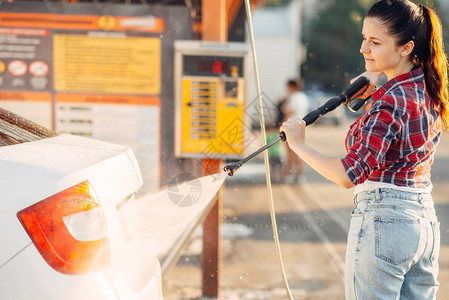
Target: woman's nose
x,y
363,48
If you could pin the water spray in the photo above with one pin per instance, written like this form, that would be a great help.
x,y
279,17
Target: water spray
x,y
347,97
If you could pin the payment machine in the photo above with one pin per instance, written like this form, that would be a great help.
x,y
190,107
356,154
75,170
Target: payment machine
x,y
210,93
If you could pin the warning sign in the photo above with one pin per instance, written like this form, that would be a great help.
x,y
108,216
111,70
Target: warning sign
x,y
17,67
25,56
39,68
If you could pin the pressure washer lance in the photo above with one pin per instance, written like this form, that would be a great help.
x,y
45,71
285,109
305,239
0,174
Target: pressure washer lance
x,y
347,97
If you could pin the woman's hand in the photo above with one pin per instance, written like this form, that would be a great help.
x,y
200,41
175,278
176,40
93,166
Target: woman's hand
x,y
373,78
295,131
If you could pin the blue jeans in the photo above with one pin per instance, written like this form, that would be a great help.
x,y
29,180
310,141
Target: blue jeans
x,y
393,246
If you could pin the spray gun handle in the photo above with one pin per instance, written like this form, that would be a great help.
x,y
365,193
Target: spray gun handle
x,y
282,136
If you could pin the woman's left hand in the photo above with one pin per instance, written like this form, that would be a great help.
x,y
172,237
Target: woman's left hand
x,y
373,78
295,130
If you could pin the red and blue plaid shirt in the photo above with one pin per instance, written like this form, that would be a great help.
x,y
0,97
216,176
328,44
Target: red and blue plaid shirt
x,y
394,141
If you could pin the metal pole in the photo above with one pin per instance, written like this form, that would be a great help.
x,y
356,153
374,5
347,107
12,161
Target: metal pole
x,y
214,28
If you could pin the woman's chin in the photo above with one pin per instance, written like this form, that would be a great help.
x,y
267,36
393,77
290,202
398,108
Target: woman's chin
x,y
370,67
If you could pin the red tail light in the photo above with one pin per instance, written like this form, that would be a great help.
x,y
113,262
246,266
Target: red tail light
x,y
68,230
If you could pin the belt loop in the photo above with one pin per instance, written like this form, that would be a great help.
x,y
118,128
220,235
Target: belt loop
x,y
420,198
377,194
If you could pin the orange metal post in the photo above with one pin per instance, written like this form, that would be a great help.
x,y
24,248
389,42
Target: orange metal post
x,y
214,28
211,256
214,20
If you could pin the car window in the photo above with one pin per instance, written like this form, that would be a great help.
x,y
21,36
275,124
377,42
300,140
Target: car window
x,y
15,129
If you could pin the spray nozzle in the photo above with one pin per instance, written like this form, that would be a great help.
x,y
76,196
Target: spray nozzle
x,y
230,169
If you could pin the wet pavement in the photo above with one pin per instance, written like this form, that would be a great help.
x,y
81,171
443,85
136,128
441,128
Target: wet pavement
x,y
312,218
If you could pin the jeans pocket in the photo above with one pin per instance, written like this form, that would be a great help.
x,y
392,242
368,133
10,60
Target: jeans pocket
x,y
397,240
436,243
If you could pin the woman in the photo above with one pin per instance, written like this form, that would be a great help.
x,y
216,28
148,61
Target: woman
x,y
393,241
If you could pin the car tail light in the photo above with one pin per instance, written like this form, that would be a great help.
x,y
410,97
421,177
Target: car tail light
x,y
68,230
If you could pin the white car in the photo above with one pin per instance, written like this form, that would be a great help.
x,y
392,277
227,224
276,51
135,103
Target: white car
x,y
64,232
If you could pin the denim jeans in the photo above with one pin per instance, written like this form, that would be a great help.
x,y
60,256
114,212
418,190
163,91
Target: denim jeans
x,y
393,246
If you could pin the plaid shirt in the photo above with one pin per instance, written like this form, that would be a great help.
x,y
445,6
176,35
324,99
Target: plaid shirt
x,y
394,141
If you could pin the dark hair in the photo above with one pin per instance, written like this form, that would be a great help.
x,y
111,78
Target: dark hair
x,y
408,21
296,84
292,83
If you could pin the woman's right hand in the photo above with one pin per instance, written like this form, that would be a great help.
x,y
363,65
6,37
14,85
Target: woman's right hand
x,y
373,78
294,130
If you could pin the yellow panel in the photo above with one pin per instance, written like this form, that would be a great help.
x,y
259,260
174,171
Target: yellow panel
x,y
212,120
120,65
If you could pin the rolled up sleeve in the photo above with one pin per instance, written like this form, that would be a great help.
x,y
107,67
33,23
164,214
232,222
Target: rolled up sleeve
x,y
380,128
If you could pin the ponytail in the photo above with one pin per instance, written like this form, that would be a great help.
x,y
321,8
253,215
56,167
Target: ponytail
x,y
408,21
435,65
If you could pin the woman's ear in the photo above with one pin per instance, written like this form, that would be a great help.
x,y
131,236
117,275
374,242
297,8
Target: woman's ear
x,y
407,48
